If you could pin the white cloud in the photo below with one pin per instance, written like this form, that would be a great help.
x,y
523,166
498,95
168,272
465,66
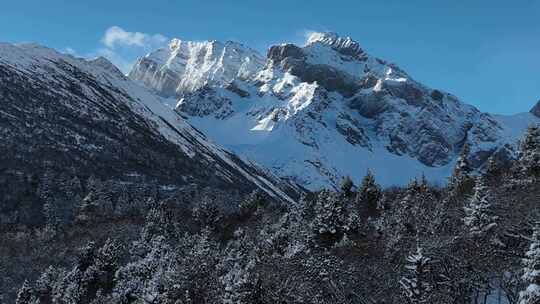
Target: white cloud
x,y
117,36
122,47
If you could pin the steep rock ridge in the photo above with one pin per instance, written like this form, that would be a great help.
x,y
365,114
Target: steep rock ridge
x,y
68,115
186,66
318,112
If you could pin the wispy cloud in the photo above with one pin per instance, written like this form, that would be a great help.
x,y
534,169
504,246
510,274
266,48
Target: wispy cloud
x,y
117,36
123,47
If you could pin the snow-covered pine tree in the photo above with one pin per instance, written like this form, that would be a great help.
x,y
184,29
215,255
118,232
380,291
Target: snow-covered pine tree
x,y
106,264
531,271
72,291
239,281
158,222
97,277
479,217
529,160
52,220
206,213
369,192
199,264
461,181
415,283
462,164
493,168
148,279
45,284
45,191
87,253
25,295
425,214
405,215
329,214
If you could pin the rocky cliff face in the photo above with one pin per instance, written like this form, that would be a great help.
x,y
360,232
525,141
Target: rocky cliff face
x,y
187,66
318,112
77,118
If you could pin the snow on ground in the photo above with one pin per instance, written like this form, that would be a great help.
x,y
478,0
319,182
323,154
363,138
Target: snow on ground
x,y
516,125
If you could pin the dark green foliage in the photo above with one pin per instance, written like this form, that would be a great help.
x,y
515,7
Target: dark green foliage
x,y
369,194
494,169
346,186
461,181
529,160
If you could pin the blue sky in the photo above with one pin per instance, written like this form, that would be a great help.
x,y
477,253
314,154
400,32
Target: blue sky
x,y
485,52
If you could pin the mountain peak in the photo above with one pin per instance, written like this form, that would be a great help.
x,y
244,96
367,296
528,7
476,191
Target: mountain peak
x,y
328,95
536,109
107,65
345,45
174,44
187,66
321,37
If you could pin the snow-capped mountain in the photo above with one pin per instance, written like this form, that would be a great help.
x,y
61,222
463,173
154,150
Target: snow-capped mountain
x,y
85,116
318,112
188,66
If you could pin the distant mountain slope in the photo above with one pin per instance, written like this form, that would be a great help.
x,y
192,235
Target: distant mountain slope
x,y
318,112
85,118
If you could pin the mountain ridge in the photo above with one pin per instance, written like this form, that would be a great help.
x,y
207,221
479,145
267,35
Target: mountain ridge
x,y
327,104
66,116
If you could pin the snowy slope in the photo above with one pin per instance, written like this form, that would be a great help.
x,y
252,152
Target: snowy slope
x,y
96,90
318,112
515,125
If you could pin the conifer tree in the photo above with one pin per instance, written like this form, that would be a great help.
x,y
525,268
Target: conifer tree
x,y
463,166
106,264
461,181
369,192
531,271
50,212
148,279
158,222
479,217
239,280
45,285
25,294
415,284
329,214
529,160
406,212
347,185
206,213
86,256
493,168
52,220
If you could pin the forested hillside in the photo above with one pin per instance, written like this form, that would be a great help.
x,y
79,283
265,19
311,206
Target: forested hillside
x,y
476,240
